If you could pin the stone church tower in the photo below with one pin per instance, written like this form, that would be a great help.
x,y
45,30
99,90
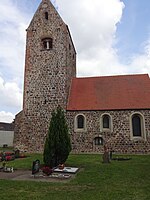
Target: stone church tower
x,y
50,65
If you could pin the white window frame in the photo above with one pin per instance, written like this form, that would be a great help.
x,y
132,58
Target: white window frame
x,y
76,129
143,132
102,129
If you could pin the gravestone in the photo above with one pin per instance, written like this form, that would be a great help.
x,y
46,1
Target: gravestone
x,y
3,156
111,155
35,167
106,156
17,153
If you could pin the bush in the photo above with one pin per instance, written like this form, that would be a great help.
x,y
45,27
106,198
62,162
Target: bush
x,y
57,145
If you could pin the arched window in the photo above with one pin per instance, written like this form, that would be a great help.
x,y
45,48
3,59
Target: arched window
x,y
136,126
98,141
47,43
106,121
106,124
80,123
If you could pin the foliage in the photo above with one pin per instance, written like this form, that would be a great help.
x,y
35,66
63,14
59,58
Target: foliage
x,y
8,155
57,146
47,170
24,163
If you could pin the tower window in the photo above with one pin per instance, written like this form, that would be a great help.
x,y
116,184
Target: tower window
x,y
69,46
46,15
47,43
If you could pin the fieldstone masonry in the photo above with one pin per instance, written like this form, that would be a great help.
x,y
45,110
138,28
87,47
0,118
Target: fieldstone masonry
x,y
119,140
48,75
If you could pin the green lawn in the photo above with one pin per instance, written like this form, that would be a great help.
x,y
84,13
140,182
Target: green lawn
x,y
120,180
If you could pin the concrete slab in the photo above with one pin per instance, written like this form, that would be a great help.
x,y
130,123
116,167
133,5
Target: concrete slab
x,y
71,170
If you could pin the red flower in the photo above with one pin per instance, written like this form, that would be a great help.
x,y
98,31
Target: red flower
x,y
47,170
9,153
7,158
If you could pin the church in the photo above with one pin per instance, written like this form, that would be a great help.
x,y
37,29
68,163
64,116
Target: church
x,y
108,110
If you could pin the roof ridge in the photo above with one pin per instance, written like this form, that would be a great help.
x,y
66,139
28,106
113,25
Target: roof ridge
x,y
123,75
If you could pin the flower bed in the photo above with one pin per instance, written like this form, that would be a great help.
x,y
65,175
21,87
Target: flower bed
x,y
47,170
8,155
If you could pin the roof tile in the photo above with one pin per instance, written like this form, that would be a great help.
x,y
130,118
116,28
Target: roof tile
x,y
110,93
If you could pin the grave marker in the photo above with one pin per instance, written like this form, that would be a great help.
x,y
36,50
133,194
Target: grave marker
x,y
35,167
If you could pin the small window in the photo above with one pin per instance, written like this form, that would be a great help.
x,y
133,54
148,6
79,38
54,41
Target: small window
x,y
106,121
98,141
80,121
47,43
46,15
136,126
69,46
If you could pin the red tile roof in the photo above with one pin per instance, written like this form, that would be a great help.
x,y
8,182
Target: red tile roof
x,y
110,93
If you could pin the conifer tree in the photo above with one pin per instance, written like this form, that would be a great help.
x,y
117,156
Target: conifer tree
x,y
57,145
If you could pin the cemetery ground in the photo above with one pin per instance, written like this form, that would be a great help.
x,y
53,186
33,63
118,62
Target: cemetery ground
x,y
119,180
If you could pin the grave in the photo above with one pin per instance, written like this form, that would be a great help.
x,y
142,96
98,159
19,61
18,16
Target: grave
x,y
4,168
61,176
106,156
71,170
35,167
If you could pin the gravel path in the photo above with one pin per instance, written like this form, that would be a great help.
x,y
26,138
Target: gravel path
x,y
27,175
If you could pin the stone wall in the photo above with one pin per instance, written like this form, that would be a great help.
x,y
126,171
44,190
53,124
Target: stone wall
x,y
119,139
47,79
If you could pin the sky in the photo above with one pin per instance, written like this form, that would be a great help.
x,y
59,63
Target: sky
x,y
112,37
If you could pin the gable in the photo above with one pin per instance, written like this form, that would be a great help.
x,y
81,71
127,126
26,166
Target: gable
x,y
110,93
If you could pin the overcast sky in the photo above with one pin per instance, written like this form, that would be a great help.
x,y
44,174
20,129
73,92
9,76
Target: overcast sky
x,y
111,37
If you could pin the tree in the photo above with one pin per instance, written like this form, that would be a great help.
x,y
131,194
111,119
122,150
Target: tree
x,y
57,145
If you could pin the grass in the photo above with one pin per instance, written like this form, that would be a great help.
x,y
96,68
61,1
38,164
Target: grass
x,y
120,180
